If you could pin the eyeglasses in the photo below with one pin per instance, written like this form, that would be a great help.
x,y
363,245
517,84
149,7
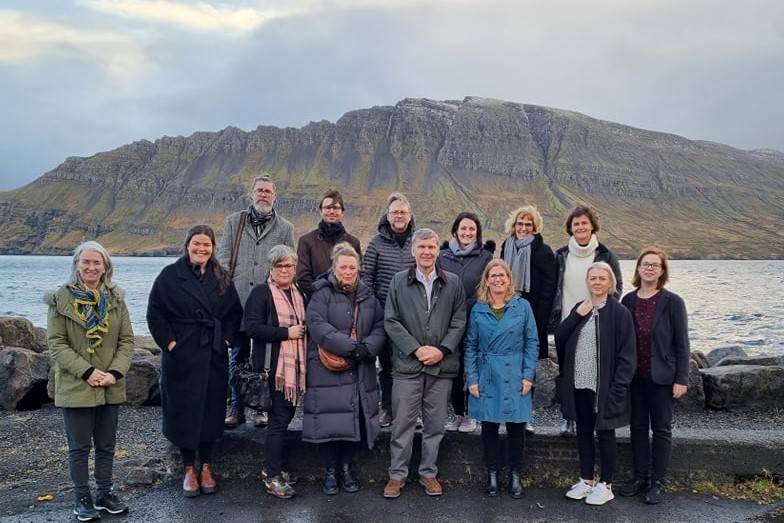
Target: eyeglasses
x,y
264,191
646,265
527,225
287,266
333,207
399,213
496,276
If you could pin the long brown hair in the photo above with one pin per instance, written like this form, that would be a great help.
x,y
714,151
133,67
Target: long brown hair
x,y
221,274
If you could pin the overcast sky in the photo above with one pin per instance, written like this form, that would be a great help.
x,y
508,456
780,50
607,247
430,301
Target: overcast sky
x,y
83,76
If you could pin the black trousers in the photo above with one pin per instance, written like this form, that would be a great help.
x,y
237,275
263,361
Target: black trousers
x,y
279,418
652,407
515,444
586,421
335,454
86,428
205,454
458,395
385,377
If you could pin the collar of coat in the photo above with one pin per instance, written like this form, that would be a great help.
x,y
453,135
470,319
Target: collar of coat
x,y
440,275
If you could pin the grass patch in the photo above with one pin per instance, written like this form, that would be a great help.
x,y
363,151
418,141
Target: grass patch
x,y
765,488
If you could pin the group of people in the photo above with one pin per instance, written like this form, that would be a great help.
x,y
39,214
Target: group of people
x,y
455,334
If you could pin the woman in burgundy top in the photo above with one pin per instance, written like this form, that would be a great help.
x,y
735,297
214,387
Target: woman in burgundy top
x,y
662,372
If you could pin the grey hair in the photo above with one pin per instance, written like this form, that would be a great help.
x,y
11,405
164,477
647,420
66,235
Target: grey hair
x,y
398,197
263,177
279,253
343,249
606,268
106,278
423,234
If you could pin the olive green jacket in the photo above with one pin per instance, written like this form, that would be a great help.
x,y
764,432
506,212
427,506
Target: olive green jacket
x,y
68,347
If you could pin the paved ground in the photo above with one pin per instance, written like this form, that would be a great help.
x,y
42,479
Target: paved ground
x,y
244,501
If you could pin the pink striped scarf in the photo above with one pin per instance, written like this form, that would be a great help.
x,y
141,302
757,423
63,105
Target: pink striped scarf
x,y
292,358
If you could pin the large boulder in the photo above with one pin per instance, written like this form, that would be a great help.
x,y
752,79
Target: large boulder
x,y
146,343
714,356
699,357
748,387
20,332
546,373
141,381
751,360
22,371
694,400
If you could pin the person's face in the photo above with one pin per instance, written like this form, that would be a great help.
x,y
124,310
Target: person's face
x,y
650,269
331,211
263,196
582,229
91,268
599,283
282,272
498,281
524,226
346,270
425,253
200,249
466,232
399,215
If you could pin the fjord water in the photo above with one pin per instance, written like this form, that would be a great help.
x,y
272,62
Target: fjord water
x,y
729,302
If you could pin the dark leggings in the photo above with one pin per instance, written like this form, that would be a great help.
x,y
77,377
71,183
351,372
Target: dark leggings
x,y
586,421
205,454
652,406
335,454
279,418
458,395
515,444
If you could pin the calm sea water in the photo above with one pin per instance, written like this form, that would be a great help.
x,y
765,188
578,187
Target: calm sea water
x,y
729,302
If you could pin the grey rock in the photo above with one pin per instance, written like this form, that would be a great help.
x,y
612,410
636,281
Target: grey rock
x,y
20,332
699,357
751,360
546,374
744,387
20,371
141,381
50,381
146,343
716,355
140,476
694,400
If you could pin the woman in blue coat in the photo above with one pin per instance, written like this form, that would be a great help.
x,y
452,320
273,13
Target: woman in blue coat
x,y
501,350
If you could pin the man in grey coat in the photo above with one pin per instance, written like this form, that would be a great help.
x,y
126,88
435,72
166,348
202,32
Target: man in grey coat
x,y
259,228
424,318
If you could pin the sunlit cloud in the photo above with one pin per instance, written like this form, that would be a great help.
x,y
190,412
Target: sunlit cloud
x,y
26,37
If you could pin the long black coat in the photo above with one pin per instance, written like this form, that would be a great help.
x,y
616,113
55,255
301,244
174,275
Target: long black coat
x,y
617,363
333,399
670,351
468,267
544,275
194,376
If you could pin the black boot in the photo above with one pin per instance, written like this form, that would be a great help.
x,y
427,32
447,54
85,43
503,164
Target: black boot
x,y
492,483
330,484
347,480
515,488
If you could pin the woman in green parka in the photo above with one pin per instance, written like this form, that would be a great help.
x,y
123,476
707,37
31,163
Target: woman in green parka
x,y
91,341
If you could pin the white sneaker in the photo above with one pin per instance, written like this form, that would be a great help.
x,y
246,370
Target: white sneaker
x,y
579,490
468,424
529,429
600,494
453,422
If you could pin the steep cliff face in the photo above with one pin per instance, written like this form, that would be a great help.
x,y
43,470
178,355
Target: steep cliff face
x,y
697,199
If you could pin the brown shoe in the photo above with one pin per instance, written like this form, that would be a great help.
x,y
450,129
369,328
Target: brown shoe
x,y
232,421
206,480
261,420
432,486
392,488
190,484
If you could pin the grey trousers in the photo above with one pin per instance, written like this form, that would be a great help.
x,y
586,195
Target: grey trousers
x,y
85,428
410,396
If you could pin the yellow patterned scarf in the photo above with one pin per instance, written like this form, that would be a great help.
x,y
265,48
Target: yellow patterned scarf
x,y
92,307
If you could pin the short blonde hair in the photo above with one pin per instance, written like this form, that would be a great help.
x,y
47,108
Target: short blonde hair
x,y
483,294
606,268
525,210
343,249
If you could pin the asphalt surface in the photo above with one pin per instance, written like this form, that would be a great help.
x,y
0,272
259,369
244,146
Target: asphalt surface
x,y
245,501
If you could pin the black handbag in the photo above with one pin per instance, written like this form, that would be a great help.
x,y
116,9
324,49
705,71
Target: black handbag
x,y
254,386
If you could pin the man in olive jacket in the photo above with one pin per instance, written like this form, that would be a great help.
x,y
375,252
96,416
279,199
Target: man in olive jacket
x,y
424,317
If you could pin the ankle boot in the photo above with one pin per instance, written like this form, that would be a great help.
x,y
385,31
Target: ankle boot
x,y
190,483
348,482
491,489
515,488
207,480
330,484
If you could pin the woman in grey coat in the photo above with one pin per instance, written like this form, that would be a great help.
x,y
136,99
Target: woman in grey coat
x,y
341,407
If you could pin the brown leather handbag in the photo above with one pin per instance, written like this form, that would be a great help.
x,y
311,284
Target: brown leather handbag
x,y
335,362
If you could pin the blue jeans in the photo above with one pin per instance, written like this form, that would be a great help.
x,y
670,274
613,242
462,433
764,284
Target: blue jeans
x,y
239,354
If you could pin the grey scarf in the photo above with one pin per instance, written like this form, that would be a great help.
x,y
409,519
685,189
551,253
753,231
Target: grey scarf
x,y
517,254
454,246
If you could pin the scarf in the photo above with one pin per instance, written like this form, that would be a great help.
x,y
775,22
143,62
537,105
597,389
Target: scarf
x,y
454,246
292,358
573,288
517,254
92,307
331,231
259,221
583,251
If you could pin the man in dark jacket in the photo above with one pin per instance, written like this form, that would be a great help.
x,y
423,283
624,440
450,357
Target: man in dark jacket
x,y
388,252
314,249
424,318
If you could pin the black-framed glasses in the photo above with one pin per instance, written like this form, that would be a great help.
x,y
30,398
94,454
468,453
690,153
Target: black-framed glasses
x,y
646,265
286,266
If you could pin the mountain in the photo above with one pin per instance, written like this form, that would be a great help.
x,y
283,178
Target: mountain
x,y
694,198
